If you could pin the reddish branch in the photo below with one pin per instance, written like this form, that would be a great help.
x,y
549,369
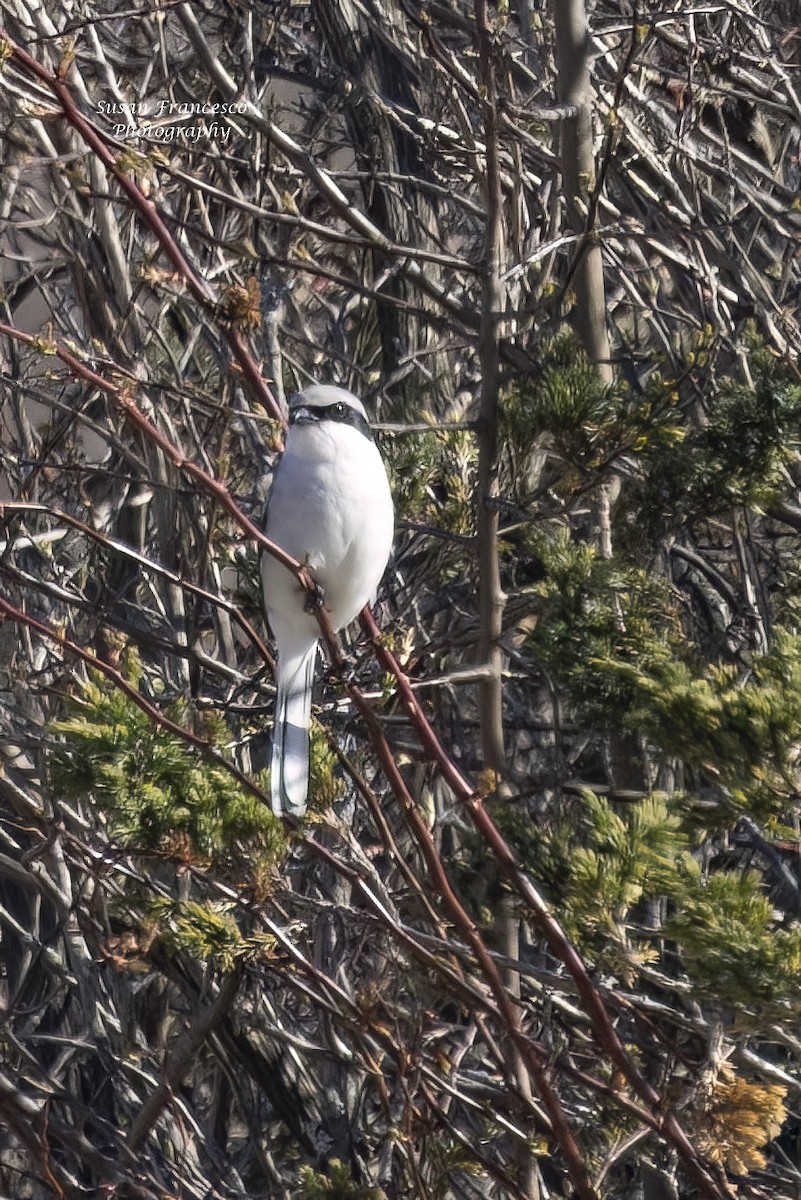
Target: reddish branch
x,y
510,1015
547,924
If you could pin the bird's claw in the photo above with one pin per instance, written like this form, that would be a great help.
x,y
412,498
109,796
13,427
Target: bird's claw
x,y
350,671
342,675
315,599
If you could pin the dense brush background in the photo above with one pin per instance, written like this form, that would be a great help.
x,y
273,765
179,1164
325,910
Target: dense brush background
x,y
562,272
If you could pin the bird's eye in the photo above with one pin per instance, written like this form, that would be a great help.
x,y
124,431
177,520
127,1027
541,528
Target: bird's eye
x,y
339,411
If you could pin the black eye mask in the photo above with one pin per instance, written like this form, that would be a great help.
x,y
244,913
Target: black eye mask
x,y
308,414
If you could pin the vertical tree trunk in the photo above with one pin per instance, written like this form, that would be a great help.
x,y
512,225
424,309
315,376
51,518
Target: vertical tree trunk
x,y
491,597
578,176
578,179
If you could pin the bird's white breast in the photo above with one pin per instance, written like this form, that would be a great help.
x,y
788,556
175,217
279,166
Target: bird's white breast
x,y
330,508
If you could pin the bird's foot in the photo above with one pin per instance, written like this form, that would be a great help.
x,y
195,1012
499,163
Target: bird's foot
x,y
315,599
343,674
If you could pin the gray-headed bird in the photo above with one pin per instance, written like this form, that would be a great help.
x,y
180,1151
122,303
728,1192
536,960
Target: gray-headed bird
x,y
330,507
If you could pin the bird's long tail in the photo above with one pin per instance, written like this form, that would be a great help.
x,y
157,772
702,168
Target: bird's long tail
x,y
289,778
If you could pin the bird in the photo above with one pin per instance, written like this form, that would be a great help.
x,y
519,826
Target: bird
x,y
330,507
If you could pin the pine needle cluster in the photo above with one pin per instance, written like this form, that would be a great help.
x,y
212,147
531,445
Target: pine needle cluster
x,y
336,1185
157,795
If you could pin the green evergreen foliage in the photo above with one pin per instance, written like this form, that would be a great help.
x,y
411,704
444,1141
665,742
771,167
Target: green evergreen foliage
x,y
156,794
611,637
336,1185
688,466
449,1160
741,727
732,456
203,930
325,786
619,649
411,462
598,863
592,612
566,409
565,398
433,477
731,945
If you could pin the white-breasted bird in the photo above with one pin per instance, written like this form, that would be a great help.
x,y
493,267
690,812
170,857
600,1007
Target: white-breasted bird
x,y
330,507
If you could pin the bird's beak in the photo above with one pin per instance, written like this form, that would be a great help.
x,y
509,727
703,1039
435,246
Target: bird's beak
x,y
302,414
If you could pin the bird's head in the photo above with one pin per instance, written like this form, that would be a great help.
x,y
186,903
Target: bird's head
x,y
323,402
